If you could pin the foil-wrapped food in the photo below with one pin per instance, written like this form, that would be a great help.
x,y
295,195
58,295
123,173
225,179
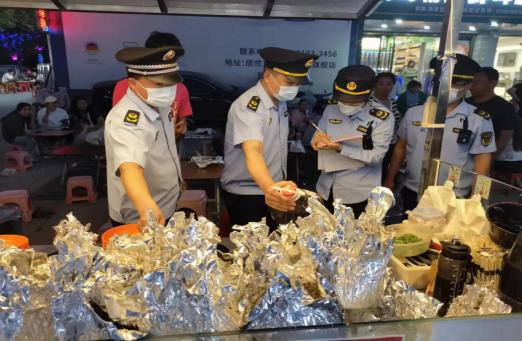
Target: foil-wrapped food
x,y
321,269
477,300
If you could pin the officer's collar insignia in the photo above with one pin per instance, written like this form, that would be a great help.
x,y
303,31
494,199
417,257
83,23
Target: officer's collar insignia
x,y
335,121
254,103
416,123
351,86
486,138
309,63
379,113
457,130
287,113
132,117
169,55
362,129
482,114
332,101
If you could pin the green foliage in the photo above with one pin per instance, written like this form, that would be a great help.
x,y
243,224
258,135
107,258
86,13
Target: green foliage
x,y
18,20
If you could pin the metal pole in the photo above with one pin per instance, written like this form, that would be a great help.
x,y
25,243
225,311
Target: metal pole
x,y
438,102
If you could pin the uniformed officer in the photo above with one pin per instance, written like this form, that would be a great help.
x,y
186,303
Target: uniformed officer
x,y
256,138
143,170
352,168
468,138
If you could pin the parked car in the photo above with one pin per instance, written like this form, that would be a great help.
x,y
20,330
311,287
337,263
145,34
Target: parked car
x,y
209,98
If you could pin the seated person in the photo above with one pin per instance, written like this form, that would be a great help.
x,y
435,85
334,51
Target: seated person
x,y
52,117
8,77
83,121
14,129
300,116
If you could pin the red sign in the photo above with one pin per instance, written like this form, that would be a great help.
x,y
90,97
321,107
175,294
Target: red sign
x,y
42,19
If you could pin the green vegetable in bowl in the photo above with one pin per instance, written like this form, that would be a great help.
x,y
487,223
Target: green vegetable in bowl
x,y
407,238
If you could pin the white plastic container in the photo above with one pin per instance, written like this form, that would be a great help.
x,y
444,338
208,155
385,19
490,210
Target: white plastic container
x,y
416,276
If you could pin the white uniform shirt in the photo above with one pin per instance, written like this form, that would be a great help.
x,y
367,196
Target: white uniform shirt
x,y
136,133
56,118
254,116
461,155
354,185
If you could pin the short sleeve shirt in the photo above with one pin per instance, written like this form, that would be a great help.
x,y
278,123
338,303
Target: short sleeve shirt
x,y
55,120
254,116
180,107
502,113
462,155
354,185
136,133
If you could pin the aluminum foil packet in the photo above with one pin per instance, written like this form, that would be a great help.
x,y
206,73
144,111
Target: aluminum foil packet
x,y
27,273
352,254
74,271
298,295
477,300
194,294
13,298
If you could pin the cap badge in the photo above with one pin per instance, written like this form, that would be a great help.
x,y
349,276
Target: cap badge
x,y
169,55
309,63
351,86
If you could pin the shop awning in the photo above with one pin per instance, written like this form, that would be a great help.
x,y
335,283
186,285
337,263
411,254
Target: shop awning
x,y
335,9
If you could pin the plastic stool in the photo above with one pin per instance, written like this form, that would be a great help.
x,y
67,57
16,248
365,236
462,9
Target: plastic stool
x,y
82,182
516,179
18,159
12,147
195,200
19,197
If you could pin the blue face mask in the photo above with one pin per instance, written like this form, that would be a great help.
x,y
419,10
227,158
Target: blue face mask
x,y
286,92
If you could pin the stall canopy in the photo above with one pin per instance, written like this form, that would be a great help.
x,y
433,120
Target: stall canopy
x,y
335,9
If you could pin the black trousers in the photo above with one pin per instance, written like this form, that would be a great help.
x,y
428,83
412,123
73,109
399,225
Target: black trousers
x,y
357,207
244,209
409,199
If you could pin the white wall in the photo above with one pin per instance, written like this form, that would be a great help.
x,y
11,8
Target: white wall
x,y
208,41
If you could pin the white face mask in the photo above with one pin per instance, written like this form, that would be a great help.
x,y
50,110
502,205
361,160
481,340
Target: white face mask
x,y
286,92
349,110
454,95
160,97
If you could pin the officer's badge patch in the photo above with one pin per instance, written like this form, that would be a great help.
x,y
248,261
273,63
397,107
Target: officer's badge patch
x,y
379,114
457,130
132,117
362,129
309,63
483,114
169,55
416,123
332,101
254,103
486,138
335,121
351,86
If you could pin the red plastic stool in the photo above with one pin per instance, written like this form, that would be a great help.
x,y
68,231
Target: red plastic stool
x,y
18,159
516,179
15,147
80,182
195,200
19,197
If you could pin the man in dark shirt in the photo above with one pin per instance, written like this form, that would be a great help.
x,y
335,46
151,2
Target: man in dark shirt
x,y
501,111
15,125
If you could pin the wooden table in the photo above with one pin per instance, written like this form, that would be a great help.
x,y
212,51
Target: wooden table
x,y
51,133
190,171
56,135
